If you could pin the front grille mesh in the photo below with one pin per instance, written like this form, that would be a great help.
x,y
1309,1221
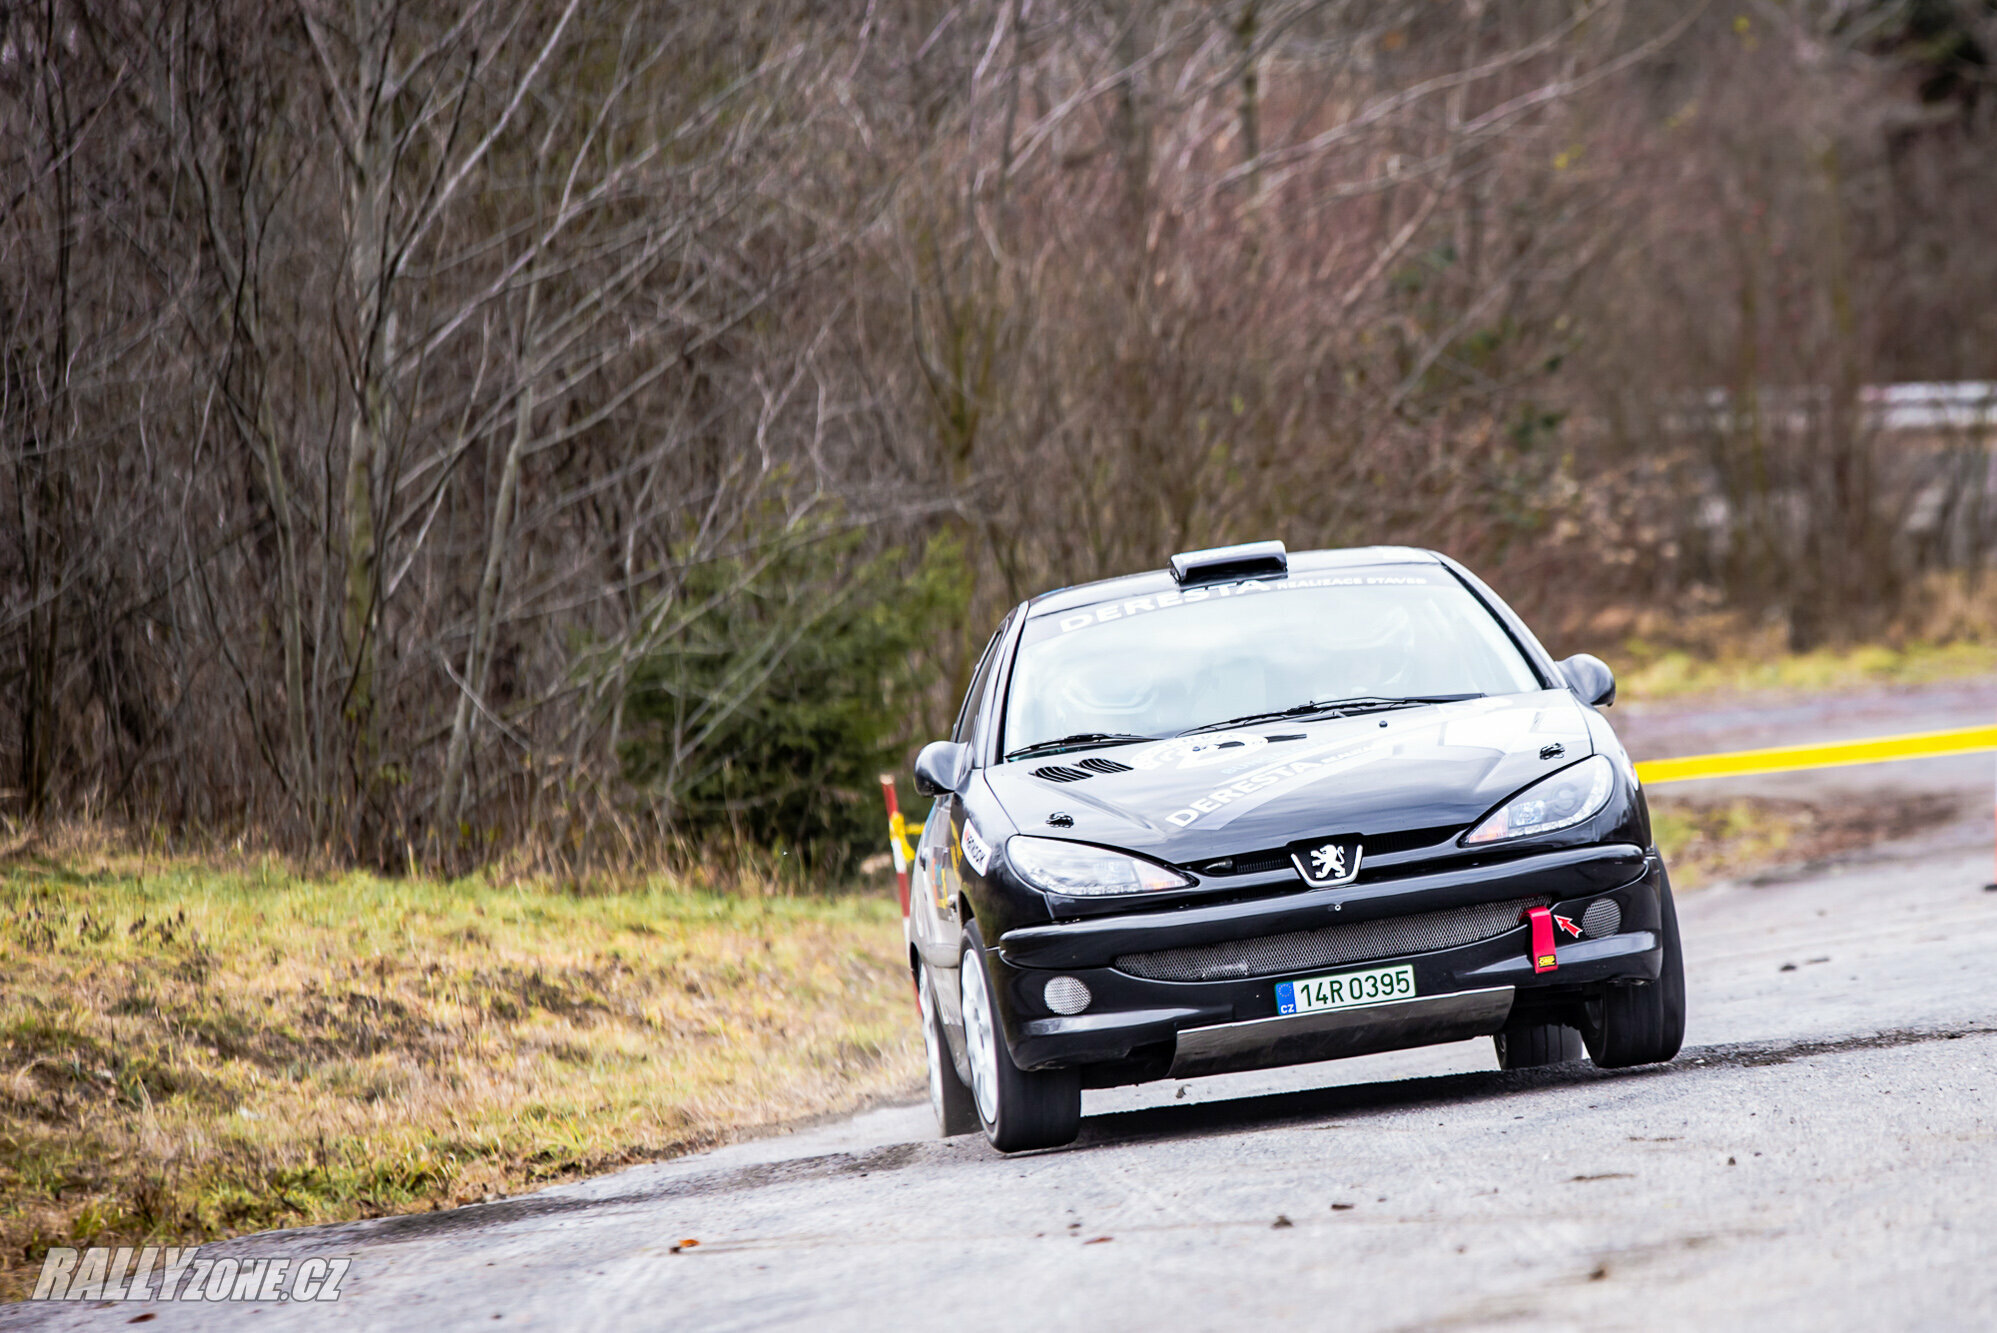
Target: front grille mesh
x,y
1249,863
1299,950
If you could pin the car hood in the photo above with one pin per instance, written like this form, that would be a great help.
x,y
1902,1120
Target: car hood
x,y
1260,787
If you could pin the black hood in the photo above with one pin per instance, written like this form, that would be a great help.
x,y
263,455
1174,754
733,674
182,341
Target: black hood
x,y
1260,787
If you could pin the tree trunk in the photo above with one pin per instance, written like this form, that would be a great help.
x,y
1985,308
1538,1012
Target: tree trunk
x,y
478,653
371,169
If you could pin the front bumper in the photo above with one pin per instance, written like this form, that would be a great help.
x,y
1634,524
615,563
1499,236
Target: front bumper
x,y
1298,1039
1187,1028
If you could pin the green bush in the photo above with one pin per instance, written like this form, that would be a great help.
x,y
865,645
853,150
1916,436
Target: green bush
x,y
768,718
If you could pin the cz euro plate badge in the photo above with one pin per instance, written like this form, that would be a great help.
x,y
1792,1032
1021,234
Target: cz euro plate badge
x,y
1347,990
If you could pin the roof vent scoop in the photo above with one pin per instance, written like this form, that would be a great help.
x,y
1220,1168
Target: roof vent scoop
x,y
1223,564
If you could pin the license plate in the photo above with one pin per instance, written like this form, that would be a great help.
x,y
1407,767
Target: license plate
x,y
1347,990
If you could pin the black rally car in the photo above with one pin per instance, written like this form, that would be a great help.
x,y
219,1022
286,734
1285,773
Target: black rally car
x,y
1264,809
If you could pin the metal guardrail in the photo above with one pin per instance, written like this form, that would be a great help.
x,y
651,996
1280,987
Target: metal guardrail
x,y
1892,409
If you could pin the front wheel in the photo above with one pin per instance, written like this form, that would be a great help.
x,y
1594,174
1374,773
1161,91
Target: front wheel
x,y
948,1097
1533,1045
1019,1109
1643,1024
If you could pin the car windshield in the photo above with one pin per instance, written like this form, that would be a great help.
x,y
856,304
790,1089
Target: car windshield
x,y
1166,663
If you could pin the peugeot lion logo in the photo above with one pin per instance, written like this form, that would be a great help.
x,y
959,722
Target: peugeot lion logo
x,y
1327,864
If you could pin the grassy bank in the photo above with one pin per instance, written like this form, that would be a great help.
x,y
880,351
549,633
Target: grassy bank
x,y
194,1049
1647,675
1738,838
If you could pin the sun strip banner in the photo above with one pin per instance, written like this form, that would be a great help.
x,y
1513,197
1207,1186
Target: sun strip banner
x,y
1833,754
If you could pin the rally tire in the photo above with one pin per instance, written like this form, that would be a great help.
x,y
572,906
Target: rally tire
x,y
1018,1109
1526,1045
1643,1024
956,1111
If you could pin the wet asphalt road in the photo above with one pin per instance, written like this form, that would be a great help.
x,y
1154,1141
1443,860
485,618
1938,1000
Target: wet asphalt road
x,y
1823,1155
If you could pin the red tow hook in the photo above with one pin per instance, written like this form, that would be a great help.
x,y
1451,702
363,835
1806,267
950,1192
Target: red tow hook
x,y
1544,958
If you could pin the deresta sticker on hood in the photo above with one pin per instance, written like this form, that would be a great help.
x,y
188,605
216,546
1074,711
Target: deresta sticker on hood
x,y
1469,722
1189,797
1223,805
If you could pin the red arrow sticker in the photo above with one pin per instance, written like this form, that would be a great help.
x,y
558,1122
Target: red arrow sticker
x,y
1568,926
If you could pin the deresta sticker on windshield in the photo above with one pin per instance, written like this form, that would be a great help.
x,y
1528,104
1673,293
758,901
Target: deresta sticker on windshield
x,y
1137,606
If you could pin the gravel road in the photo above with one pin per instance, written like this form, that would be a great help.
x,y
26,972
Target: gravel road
x,y
1821,1156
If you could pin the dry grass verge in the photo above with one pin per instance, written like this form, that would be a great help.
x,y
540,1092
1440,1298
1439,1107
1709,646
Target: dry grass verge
x,y
1648,676
193,1050
1704,840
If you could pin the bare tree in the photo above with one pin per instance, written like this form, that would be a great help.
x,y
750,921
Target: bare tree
x,y
385,388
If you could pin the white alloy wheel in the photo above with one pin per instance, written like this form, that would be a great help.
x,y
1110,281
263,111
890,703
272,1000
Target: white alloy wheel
x,y
980,1036
1020,1109
948,1097
931,1047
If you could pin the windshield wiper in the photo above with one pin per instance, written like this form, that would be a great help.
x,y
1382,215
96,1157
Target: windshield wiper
x,y
1364,703
1081,740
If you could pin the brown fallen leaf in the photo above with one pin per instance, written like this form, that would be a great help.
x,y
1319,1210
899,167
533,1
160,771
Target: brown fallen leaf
x,y
686,1244
1099,1240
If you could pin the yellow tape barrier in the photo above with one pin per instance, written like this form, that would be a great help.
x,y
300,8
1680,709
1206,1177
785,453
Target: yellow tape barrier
x,y
900,839
1788,758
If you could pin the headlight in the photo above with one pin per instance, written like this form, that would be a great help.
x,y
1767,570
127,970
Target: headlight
x,y
1081,871
1561,801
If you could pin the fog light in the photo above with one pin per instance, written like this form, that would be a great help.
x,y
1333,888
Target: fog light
x,y
1066,995
1603,917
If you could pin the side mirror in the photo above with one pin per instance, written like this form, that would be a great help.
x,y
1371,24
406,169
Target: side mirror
x,y
942,767
1589,676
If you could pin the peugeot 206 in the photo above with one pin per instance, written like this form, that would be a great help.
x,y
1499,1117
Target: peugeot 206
x,y
1263,809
